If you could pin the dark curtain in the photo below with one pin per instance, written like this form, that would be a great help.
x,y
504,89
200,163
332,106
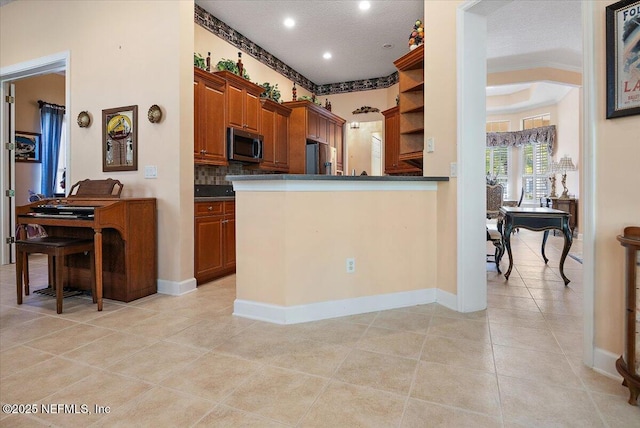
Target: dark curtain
x,y
51,116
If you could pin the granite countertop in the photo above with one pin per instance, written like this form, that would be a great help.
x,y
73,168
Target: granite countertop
x,y
315,177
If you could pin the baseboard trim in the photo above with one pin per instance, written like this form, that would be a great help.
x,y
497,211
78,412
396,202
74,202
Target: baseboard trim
x,y
446,299
604,362
174,288
332,309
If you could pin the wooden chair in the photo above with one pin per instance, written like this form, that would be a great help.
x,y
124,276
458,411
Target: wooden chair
x,y
107,188
57,249
496,239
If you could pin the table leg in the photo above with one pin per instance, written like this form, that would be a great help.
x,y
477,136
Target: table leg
x,y
568,239
97,242
506,237
544,242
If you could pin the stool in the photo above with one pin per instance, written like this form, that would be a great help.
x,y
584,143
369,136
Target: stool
x,y
57,248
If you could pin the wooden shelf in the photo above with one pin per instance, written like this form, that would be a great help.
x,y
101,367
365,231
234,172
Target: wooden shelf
x,y
411,106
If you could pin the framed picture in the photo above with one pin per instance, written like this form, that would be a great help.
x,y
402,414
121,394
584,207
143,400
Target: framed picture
x,y
28,146
120,139
623,58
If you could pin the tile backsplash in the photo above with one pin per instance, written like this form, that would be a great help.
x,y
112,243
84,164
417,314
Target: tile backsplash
x,y
208,174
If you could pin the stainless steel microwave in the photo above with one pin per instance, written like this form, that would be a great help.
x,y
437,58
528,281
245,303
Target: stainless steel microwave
x,y
244,146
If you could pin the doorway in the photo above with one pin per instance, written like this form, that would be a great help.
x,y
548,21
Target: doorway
x,y
53,64
376,154
471,66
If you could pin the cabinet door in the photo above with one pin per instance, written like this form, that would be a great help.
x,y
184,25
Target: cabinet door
x,y
235,107
197,139
269,142
339,144
312,125
323,124
331,134
212,124
252,112
391,141
282,142
229,243
208,245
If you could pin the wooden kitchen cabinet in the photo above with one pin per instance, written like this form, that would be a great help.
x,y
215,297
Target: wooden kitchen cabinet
x,y
274,125
215,240
312,122
392,165
209,145
411,103
242,102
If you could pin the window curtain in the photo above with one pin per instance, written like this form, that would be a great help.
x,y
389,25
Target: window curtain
x,y
542,134
51,119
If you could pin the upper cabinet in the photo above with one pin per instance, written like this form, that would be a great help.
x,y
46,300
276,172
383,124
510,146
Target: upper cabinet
x,y
209,119
274,127
411,102
314,123
392,165
243,102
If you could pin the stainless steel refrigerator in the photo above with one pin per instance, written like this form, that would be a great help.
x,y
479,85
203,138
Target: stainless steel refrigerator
x,y
320,159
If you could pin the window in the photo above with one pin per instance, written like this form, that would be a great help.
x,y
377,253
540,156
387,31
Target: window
x,y
497,158
535,162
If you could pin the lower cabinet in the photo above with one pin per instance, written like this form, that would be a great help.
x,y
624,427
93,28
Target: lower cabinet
x,y
215,240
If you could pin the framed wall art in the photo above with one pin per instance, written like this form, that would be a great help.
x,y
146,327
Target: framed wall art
x,y
623,58
28,146
120,139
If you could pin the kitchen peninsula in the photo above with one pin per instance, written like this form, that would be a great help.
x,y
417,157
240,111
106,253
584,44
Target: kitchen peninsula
x,y
311,247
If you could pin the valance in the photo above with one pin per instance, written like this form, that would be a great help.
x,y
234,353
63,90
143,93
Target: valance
x,y
543,134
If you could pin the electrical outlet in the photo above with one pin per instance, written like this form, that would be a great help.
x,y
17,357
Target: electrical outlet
x,y
453,169
351,265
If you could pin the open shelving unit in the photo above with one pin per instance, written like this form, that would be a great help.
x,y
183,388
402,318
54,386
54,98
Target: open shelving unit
x,y
411,103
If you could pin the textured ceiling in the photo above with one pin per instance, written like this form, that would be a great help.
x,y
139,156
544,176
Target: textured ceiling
x,y
535,33
355,38
521,34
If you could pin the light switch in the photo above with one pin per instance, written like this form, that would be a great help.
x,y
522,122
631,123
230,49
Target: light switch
x,y
150,171
453,169
430,145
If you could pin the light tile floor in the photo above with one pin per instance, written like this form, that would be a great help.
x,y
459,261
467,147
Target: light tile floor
x,y
186,361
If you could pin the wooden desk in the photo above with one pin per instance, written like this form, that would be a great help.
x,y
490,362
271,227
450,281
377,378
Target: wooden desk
x,y
537,219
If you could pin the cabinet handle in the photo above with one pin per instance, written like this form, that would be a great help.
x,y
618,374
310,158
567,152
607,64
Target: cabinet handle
x,y
210,208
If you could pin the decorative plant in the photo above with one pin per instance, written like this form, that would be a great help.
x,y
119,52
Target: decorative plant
x,y
230,65
198,61
417,35
313,100
271,92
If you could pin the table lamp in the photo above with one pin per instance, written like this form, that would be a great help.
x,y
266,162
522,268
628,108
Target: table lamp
x,y
565,165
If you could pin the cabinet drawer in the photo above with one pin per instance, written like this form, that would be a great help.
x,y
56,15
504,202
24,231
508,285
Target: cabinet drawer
x,y
208,208
230,207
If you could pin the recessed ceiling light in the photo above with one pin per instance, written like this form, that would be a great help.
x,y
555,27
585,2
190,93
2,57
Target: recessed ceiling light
x,y
289,23
326,55
387,46
364,5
